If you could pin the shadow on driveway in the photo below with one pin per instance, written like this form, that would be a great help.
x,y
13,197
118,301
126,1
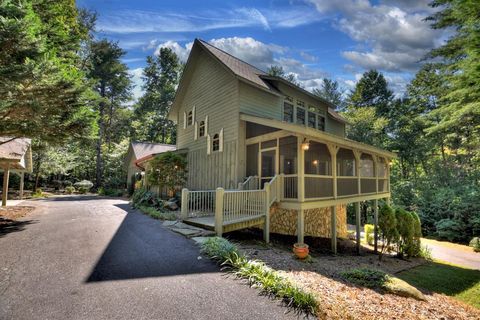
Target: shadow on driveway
x,y
8,226
142,248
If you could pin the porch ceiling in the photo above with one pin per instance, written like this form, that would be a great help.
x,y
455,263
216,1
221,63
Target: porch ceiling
x,y
321,136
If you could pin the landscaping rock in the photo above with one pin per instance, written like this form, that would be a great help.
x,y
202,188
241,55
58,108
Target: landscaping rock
x,y
171,205
169,223
186,232
199,240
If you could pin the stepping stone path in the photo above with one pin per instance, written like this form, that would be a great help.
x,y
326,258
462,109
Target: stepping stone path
x,y
187,230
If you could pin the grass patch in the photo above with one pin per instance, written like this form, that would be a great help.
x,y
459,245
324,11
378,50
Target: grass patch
x,y
259,275
455,281
157,214
379,280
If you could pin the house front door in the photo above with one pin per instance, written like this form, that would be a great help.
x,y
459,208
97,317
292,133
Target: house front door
x,y
268,165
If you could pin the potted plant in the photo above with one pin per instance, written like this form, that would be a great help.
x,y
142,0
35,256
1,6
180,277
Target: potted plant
x,y
300,250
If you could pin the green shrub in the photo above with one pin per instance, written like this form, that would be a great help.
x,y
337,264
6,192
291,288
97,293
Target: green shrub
x,y
38,193
475,243
143,197
405,228
369,233
387,224
259,275
450,229
156,214
69,189
379,280
83,186
167,170
110,192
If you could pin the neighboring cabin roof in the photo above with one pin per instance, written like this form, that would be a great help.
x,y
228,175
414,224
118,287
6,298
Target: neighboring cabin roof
x,y
143,149
17,152
260,78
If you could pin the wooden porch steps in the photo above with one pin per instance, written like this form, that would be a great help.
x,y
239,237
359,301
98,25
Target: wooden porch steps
x,y
208,222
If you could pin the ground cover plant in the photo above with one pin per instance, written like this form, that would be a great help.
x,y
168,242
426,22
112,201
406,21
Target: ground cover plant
x,y
379,280
259,275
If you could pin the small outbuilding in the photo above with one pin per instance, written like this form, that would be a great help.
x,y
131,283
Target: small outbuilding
x,y
16,157
141,150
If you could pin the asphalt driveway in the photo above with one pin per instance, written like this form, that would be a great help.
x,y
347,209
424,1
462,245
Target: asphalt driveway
x,y
453,253
94,258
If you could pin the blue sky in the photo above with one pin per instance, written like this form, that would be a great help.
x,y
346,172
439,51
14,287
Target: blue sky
x,y
310,38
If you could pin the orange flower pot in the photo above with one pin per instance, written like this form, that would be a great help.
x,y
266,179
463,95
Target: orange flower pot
x,y
300,250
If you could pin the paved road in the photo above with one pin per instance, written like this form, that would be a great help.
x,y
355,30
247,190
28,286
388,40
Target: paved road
x,y
453,253
93,258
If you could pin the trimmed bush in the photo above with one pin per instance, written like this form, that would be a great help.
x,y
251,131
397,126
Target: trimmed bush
x,y
405,228
369,233
69,189
387,224
83,186
475,243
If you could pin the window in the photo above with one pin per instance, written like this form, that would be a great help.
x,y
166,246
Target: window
x,y
300,116
216,142
367,166
311,119
287,112
321,123
201,129
190,118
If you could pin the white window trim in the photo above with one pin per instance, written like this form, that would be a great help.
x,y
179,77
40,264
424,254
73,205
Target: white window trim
x,y
209,144
195,131
184,120
220,141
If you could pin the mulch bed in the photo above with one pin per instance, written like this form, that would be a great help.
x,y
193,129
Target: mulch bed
x,y
339,299
15,212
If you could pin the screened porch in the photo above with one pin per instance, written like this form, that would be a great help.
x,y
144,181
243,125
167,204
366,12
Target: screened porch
x,y
309,169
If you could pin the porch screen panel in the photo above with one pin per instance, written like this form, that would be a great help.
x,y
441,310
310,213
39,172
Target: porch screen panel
x,y
382,175
318,187
347,182
252,160
288,155
367,174
318,160
288,166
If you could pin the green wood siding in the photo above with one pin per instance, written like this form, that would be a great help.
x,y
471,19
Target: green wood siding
x,y
214,92
259,103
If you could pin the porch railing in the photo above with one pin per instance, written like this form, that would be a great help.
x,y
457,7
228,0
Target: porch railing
x,y
251,183
198,203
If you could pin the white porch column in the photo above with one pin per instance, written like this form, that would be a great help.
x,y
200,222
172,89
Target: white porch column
x,y
357,220
333,154
358,156
22,176
301,226
219,211
333,226
375,223
6,175
301,170
266,227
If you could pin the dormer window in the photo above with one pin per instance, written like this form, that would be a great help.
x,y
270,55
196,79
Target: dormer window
x,y
287,111
216,142
300,115
201,129
190,118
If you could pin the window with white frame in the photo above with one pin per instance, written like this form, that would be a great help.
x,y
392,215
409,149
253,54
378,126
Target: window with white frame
x,y
288,112
190,118
300,114
201,129
216,142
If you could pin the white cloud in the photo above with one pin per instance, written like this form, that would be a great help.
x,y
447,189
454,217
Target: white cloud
x,y
394,31
181,51
144,21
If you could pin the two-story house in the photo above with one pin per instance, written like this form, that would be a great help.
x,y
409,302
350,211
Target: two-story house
x,y
263,151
